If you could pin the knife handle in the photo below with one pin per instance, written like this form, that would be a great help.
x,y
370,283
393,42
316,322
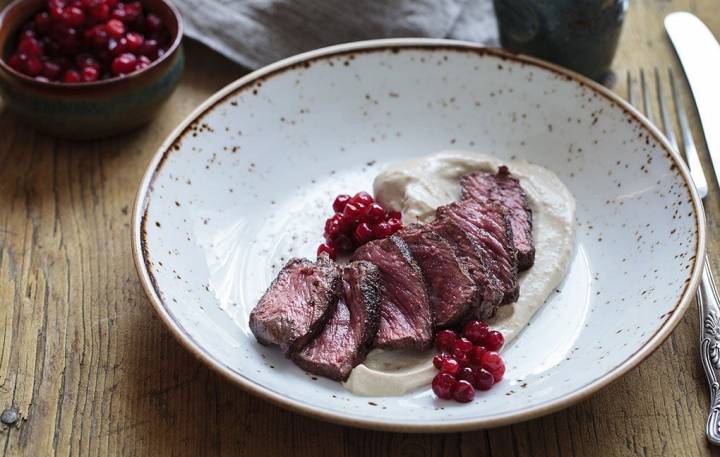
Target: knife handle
x,y
709,303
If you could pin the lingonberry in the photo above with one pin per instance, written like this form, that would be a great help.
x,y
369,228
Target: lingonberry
x,y
443,384
475,331
463,392
493,340
445,340
451,366
340,202
484,380
329,250
124,64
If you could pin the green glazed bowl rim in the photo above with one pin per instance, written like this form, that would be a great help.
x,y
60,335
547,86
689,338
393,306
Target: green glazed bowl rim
x,y
100,83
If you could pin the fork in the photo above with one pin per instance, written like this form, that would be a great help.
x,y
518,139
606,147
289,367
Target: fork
x,y
707,294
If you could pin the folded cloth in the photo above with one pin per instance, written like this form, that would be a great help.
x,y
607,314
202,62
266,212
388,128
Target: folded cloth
x,y
257,32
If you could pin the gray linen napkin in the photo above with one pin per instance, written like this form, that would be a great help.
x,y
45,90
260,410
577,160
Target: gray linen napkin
x,y
257,32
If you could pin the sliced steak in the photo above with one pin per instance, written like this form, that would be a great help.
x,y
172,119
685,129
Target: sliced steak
x,y
405,316
506,189
452,291
297,304
348,335
470,256
488,225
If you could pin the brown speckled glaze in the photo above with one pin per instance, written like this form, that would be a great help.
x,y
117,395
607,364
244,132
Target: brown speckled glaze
x,y
211,222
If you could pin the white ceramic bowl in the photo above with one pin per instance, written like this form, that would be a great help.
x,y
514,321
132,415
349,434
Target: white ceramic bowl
x,y
246,181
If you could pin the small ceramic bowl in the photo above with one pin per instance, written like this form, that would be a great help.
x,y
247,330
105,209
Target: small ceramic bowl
x,y
89,110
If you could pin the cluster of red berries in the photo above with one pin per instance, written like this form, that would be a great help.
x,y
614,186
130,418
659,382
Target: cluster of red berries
x,y
467,362
356,221
76,41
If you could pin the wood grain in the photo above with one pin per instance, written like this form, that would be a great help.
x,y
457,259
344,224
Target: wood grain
x,y
91,370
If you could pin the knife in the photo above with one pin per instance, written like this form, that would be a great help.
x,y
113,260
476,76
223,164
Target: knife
x,y
699,53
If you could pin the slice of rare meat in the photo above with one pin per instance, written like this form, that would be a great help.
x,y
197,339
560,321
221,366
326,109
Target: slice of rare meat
x,y
505,188
297,304
348,335
488,225
452,291
470,256
405,315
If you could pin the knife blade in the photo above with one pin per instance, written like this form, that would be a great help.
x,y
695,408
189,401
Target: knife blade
x,y
699,53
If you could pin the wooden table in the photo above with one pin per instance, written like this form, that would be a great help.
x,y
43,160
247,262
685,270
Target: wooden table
x,y
91,370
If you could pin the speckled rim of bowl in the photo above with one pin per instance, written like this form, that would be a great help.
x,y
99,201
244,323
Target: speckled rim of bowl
x,y
290,63
102,82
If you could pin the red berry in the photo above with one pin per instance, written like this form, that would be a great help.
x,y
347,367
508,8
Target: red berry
x,y
445,340
143,62
115,28
17,62
462,346
153,23
150,49
451,366
382,230
363,233
72,76
463,358
463,392
134,41
476,355
494,340
438,359
329,250
467,374
394,224
491,361
86,60
375,213
352,213
335,226
119,13
395,215
30,46
475,331
51,70
443,384
123,64
97,36
33,66
56,11
101,12
73,17
42,22
133,11
499,373
90,74
484,380
363,198
66,40
117,47
340,202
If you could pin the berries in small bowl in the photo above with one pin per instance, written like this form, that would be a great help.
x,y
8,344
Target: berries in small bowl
x,y
86,69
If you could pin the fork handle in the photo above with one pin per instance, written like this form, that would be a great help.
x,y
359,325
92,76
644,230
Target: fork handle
x,y
709,303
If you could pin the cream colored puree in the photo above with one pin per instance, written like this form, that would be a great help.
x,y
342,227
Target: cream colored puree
x,y
417,187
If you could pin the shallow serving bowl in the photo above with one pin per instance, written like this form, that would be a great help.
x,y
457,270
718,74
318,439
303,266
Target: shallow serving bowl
x,y
89,110
246,181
